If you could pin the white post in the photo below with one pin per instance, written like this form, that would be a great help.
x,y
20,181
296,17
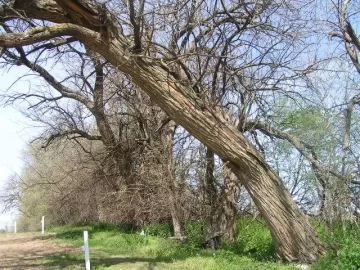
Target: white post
x,y
42,225
15,227
86,250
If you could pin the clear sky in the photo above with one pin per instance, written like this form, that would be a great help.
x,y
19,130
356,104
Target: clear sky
x,y
12,141
14,136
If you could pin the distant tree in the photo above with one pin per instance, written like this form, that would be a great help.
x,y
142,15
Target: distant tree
x,y
10,194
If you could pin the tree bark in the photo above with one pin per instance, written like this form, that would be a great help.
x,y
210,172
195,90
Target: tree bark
x,y
294,238
223,204
231,194
213,238
175,208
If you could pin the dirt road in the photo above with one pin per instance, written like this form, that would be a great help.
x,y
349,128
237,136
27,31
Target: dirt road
x,y
24,251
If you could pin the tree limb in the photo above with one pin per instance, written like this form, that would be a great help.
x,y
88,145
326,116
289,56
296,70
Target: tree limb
x,y
41,33
299,144
67,133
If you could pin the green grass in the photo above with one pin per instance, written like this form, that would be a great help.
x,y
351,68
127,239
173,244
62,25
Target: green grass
x,y
112,247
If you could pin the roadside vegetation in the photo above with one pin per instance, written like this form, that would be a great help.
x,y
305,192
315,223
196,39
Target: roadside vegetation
x,y
119,247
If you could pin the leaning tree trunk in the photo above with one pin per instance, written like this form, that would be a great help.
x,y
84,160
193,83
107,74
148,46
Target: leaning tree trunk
x,y
294,238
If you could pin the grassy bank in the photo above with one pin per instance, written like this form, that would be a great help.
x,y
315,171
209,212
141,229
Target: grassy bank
x,y
116,247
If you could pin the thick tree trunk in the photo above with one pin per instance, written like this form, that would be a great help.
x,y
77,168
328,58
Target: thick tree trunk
x,y
293,236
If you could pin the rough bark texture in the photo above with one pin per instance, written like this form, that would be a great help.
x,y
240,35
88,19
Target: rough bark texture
x,y
213,238
231,194
223,204
176,212
293,236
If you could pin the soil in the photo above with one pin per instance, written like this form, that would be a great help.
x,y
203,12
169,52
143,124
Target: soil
x,y
25,251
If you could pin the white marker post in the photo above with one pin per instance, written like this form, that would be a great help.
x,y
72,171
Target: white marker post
x,y
86,250
42,225
15,227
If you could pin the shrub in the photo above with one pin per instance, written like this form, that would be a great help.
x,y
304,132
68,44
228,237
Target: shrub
x,y
120,227
160,230
253,239
103,227
195,235
347,257
345,241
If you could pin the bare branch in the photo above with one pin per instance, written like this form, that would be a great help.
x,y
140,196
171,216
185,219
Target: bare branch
x,y
69,134
300,145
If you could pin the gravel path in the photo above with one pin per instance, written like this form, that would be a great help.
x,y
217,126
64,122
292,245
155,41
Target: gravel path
x,y
24,251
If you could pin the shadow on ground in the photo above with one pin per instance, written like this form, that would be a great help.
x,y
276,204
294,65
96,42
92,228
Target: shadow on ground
x,y
67,261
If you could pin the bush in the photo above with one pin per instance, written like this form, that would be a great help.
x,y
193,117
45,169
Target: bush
x,y
195,234
103,227
347,257
253,239
160,230
173,250
344,240
73,234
